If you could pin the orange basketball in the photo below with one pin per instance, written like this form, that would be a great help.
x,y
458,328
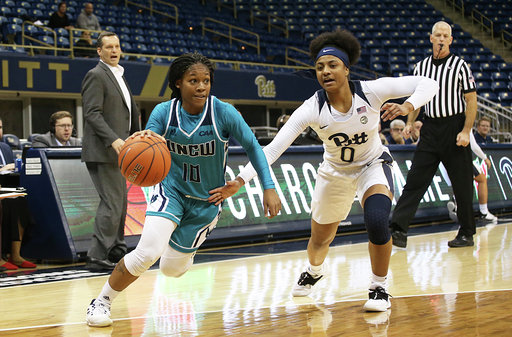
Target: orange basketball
x,y
144,161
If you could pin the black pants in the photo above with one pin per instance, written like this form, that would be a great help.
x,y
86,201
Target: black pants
x,y
438,144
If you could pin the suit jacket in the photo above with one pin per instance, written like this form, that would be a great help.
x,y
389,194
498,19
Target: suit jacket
x,y
49,140
106,115
7,153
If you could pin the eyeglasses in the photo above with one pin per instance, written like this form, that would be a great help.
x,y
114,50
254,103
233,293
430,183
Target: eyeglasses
x,y
65,126
398,129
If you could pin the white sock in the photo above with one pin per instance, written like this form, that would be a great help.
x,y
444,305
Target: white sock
x,y
379,281
483,208
107,294
316,270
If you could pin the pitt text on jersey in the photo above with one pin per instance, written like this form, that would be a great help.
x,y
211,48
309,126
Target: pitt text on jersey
x,y
192,150
343,140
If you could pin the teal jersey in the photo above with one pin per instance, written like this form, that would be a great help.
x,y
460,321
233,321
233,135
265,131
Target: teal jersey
x,y
199,144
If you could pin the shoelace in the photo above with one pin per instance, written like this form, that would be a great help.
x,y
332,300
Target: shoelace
x,y
379,294
307,279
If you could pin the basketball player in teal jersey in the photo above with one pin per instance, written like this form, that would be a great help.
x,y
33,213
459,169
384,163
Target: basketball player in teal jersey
x,y
179,217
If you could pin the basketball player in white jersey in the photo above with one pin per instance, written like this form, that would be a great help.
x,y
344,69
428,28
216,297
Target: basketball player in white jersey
x,y
345,115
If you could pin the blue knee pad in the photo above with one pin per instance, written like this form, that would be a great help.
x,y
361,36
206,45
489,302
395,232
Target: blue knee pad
x,y
376,218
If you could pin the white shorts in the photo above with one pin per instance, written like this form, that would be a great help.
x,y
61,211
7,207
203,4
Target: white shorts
x,y
335,189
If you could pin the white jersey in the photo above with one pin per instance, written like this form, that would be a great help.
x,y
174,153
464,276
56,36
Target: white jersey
x,y
351,139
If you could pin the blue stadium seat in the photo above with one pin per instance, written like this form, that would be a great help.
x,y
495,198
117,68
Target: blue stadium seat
x,y
6,11
489,95
62,32
498,86
505,99
12,140
20,11
62,42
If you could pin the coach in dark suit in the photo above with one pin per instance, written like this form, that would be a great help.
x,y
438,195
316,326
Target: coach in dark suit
x,y
61,128
110,117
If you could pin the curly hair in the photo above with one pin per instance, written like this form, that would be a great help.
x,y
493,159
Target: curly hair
x,y
340,39
180,66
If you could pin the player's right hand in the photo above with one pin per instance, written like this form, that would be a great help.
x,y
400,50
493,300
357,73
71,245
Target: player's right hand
x,y
271,203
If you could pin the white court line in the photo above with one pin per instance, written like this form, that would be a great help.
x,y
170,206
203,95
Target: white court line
x,y
259,308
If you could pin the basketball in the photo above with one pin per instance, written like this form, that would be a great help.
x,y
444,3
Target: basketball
x,y
144,161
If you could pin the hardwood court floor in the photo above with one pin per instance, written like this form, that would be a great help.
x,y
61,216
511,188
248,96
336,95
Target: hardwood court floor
x,y
438,291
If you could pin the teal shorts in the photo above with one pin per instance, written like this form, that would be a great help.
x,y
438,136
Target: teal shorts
x,y
195,218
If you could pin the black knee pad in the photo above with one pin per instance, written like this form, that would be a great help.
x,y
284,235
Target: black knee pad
x,y
376,218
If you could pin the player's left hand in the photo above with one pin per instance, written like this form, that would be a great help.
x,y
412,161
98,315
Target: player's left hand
x,y
220,194
488,163
271,203
393,110
146,133
462,139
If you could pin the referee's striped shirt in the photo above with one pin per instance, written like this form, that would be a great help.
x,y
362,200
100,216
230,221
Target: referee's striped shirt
x,y
454,78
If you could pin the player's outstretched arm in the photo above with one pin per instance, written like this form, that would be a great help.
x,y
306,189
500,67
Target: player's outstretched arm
x,y
271,203
220,194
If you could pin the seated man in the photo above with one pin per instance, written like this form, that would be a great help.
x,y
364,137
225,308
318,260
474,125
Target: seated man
x,y
482,131
395,136
61,128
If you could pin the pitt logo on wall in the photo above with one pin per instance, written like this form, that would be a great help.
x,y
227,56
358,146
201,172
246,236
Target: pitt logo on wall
x,y
266,88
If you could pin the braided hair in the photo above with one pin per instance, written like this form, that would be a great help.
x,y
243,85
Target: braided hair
x,y
180,66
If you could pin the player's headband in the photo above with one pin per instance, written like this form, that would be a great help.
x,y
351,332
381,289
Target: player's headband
x,y
334,52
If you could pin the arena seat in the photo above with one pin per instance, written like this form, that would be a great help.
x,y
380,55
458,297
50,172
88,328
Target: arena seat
x,y
12,140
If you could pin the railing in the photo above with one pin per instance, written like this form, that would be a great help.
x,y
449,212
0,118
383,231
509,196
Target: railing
x,y
506,38
268,19
40,45
501,119
77,32
455,6
153,11
288,58
484,22
230,36
221,4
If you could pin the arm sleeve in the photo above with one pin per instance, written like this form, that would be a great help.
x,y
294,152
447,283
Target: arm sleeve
x,y
475,148
298,122
420,89
92,97
243,133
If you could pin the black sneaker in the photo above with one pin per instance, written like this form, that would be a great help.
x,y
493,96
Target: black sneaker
x,y
399,238
461,241
378,300
304,286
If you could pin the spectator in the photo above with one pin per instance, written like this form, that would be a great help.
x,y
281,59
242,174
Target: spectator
x,y
482,131
111,115
15,218
412,134
60,19
383,139
61,128
86,19
395,136
84,46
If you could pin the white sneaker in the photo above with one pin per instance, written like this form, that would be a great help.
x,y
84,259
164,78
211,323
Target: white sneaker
x,y
379,300
489,217
98,314
304,286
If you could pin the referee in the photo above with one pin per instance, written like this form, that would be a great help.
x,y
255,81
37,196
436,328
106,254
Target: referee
x,y
444,138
